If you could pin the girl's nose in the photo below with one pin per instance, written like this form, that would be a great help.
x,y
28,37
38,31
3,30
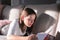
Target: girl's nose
x,y
31,22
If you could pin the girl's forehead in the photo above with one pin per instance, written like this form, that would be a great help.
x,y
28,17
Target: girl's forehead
x,y
24,13
32,16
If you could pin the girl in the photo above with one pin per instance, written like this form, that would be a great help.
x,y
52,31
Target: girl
x,y
22,26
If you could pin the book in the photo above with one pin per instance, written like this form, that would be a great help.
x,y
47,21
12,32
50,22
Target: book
x,y
41,36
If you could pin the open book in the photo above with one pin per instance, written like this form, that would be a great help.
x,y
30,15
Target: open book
x,y
42,36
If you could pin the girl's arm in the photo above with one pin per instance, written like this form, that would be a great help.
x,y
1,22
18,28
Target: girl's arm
x,y
13,37
12,27
30,37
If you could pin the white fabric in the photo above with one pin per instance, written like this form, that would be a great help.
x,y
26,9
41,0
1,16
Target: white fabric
x,y
58,24
14,13
12,29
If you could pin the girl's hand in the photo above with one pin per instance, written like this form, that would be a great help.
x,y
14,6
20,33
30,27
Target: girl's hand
x,y
32,37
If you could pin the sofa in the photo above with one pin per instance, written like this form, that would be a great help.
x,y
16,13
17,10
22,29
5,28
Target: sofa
x,y
47,17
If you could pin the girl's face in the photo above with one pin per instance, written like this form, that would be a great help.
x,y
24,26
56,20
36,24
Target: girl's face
x,y
27,19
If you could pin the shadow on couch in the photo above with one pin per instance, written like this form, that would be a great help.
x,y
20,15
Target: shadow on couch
x,y
43,22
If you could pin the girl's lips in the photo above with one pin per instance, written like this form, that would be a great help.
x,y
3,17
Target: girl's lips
x,y
30,24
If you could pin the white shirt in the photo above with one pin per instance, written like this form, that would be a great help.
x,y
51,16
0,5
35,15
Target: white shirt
x,y
13,29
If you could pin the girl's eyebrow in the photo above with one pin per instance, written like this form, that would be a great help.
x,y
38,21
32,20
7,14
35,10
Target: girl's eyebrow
x,y
31,18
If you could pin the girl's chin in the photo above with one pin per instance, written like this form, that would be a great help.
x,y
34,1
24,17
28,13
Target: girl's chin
x,y
29,26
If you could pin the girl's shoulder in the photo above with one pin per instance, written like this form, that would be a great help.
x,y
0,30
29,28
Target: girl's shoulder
x,y
14,21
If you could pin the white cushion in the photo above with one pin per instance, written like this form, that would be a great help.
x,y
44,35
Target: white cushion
x,y
14,12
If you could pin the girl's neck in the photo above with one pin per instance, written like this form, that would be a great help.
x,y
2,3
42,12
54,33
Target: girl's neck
x,y
24,28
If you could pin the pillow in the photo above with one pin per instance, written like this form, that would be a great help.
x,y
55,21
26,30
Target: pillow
x,y
14,14
4,22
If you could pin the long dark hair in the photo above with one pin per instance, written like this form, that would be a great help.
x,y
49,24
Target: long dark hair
x,y
29,12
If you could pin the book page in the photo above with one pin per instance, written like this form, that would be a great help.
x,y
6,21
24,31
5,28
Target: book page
x,y
41,36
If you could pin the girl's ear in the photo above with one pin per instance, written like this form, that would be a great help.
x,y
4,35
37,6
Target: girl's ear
x,y
22,17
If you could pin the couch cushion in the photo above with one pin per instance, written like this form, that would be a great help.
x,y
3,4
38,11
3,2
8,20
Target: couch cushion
x,y
6,12
14,12
1,9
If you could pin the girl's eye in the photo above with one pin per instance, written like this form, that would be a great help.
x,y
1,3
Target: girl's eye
x,y
29,19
